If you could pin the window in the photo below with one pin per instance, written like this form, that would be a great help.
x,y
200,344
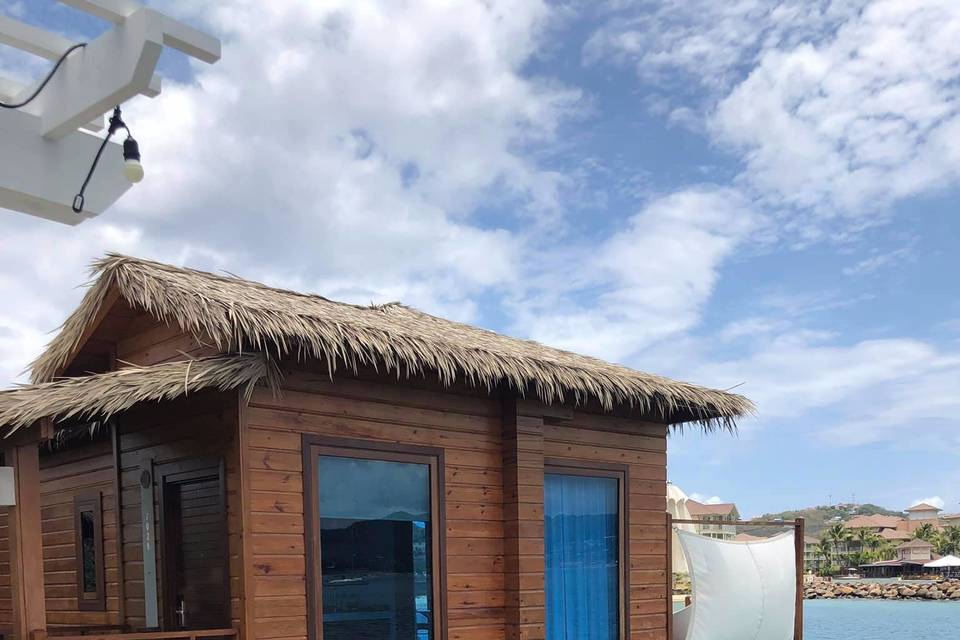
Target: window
x,y
374,538
88,530
585,553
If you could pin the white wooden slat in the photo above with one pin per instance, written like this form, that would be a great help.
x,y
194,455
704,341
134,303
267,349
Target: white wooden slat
x,y
10,90
31,39
190,41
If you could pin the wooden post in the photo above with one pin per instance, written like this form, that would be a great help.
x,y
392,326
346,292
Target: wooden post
x,y
669,576
798,545
523,548
26,545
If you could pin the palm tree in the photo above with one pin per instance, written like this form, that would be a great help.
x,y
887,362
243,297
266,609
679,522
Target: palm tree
x,y
886,550
867,538
823,550
925,532
839,536
947,542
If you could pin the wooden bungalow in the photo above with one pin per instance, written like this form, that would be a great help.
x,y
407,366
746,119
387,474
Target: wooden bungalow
x,y
203,456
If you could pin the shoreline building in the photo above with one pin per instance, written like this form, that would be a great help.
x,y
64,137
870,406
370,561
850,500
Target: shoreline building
x,y
713,519
923,512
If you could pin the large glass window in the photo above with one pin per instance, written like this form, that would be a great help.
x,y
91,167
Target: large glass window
x,y
376,547
583,556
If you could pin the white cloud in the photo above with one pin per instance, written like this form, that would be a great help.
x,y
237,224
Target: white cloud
x,y
837,109
705,499
861,120
846,394
881,260
647,282
935,501
707,40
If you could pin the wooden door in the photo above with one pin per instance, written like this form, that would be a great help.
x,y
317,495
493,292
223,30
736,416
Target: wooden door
x,y
196,559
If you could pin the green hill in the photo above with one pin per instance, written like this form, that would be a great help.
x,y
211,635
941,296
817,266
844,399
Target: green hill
x,y
817,519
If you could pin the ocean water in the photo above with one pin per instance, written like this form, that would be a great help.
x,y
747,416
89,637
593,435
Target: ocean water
x,y
881,620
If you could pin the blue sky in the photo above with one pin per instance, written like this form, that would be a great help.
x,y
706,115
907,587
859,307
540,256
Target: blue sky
x,y
752,193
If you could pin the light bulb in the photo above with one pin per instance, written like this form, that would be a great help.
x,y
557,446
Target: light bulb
x,y
133,170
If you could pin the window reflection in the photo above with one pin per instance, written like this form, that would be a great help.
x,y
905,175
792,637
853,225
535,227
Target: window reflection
x,y
88,551
375,541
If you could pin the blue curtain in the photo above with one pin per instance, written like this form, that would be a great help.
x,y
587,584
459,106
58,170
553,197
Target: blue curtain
x,y
582,561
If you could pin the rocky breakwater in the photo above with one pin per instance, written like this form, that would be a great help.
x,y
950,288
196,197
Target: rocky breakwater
x,y
819,588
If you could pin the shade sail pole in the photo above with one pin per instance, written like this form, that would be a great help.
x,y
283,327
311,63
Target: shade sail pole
x,y
669,584
798,535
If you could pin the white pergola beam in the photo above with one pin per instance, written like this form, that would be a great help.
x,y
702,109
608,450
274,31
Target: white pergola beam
x,y
116,11
177,35
113,68
108,71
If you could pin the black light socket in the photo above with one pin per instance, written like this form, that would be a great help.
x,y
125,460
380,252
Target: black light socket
x,y
131,150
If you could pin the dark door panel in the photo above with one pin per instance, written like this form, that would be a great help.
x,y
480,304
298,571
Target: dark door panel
x,y
195,550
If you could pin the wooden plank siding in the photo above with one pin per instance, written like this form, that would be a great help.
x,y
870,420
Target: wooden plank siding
x,y
6,592
146,341
523,542
203,426
63,476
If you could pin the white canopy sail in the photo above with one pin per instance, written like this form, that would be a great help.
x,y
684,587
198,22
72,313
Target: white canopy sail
x,y
741,590
677,507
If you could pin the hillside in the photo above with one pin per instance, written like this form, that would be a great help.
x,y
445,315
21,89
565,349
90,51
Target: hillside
x,y
817,519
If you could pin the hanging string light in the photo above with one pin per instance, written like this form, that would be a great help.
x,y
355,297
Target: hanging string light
x,y
132,168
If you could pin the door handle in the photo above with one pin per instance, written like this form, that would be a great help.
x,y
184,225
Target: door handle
x,y
181,612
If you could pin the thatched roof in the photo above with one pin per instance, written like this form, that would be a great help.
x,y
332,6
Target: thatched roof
x,y
101,395
236,314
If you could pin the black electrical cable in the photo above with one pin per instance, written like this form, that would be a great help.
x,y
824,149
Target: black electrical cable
x,y
36,92
116,123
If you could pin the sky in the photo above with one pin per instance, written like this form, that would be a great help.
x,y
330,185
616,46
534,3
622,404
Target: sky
x,y
757,195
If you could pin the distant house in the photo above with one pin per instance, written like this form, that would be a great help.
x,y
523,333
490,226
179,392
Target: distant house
x,y
746,537
711,519
951,519
915,551
923,512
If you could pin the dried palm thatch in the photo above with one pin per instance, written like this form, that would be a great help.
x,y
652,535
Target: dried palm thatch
x,y
102,395
236,314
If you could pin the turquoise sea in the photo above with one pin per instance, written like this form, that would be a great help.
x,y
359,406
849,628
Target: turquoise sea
x,y
881,620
